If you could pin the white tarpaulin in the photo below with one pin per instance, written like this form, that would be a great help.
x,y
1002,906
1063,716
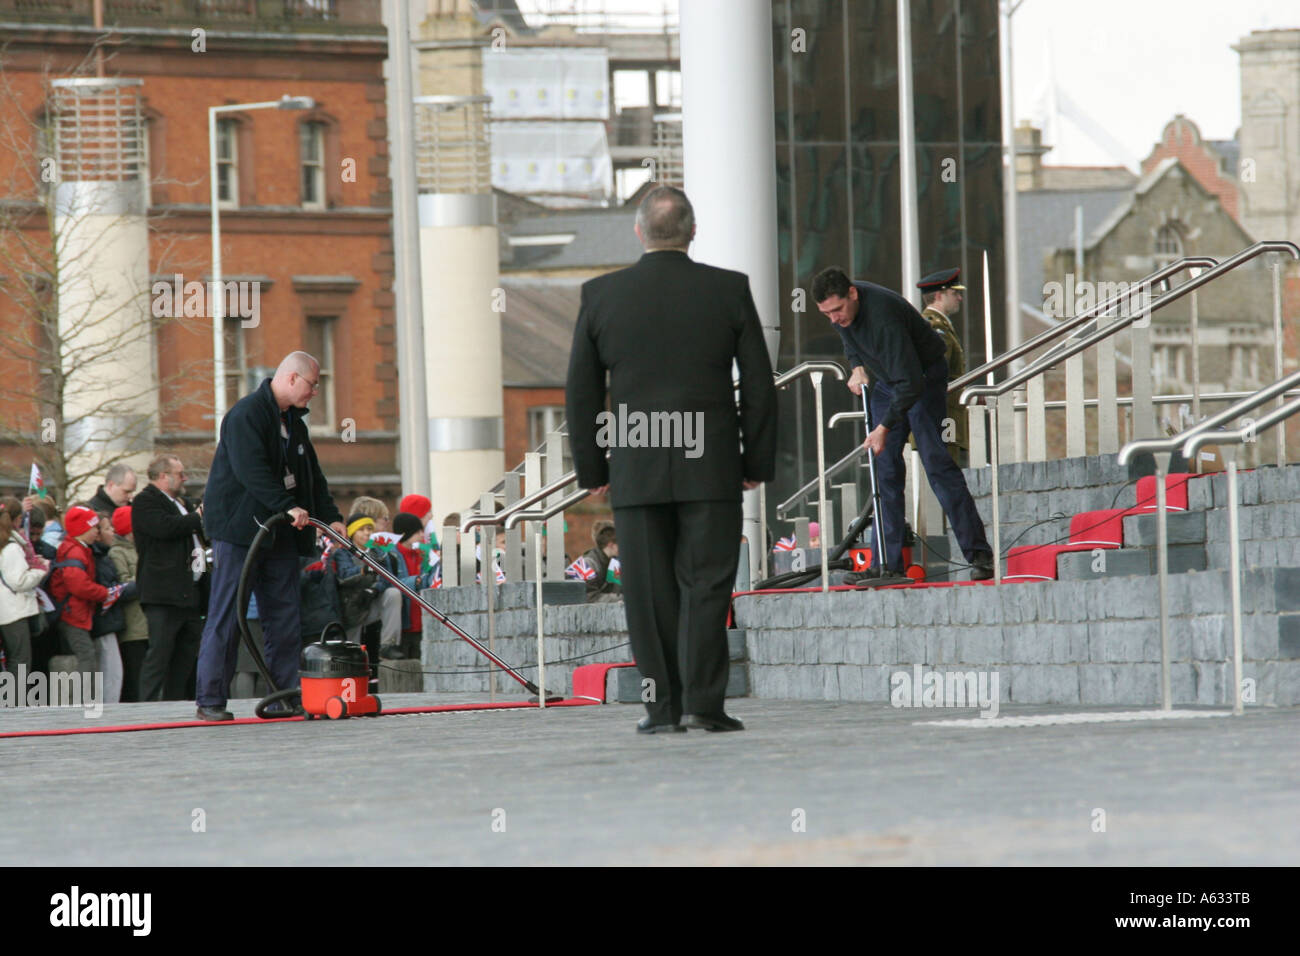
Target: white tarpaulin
x,y
558,157
552,83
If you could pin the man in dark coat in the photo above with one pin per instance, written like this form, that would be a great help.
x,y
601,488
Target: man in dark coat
x,y
171,563
265,464
116,491
667,331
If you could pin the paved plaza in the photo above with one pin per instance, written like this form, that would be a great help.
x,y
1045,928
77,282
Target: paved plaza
x,y
871,784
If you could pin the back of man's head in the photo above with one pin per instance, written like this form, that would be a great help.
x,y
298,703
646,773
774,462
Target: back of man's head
x,y
832,281
665,219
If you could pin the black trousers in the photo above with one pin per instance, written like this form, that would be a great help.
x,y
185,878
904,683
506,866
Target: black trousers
x,y
679,566
174,634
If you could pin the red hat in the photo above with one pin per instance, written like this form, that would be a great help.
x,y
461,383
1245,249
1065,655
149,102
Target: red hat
x,y
122,520
417,505
78,521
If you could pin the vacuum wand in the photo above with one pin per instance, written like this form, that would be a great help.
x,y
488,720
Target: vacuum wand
x,y
374,565
878,551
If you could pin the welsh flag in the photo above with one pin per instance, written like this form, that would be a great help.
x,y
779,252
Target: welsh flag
x,y
785,544
614,574
36,483
384,541
580,570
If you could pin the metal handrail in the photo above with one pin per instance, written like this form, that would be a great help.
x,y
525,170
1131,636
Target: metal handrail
x,y
541,515
1227,440
1029,345
497,517
807,368
839,418
1236,436
1252,401
784,507
972,392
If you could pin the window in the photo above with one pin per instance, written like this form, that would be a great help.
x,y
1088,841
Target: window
x,y
542,420
312,149
236,361
320,345
1169,245
668,89
227,163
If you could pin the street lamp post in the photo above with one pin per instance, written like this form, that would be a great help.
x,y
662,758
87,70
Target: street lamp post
x,y
218,295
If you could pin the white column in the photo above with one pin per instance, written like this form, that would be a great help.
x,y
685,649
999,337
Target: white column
x,y
729,160
911,231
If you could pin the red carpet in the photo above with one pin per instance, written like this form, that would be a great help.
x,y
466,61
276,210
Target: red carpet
x,y
177,725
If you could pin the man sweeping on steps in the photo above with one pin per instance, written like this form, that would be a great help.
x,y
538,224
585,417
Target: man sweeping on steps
x,y
883,333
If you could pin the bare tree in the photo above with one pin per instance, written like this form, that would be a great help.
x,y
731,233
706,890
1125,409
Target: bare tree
x,y
69,395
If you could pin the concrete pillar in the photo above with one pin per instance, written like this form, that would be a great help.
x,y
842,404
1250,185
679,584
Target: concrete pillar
x,y
463,300
729,157
110,388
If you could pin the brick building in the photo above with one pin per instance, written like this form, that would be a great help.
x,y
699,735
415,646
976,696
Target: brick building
x,y
304,195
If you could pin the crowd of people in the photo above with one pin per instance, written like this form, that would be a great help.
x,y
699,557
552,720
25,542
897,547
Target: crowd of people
x,y
121,580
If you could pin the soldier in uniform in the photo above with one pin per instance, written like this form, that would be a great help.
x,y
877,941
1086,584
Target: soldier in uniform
x,y
942,295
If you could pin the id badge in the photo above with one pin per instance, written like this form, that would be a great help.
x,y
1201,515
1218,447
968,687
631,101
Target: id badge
x,y
290,481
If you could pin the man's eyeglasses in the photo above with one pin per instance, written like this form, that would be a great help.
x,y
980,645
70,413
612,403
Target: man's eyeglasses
x,y
315,386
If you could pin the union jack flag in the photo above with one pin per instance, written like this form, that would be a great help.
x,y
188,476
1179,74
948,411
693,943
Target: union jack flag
x,y
436,580
785,544
580,570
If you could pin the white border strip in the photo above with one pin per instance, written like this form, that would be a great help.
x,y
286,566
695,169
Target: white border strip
x,y
1047,720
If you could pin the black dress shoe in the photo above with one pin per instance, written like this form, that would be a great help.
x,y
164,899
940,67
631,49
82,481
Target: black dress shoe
x,y
214,713
645,726
717,723
982,567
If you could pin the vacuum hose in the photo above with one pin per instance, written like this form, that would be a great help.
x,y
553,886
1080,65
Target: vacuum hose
x,y
835,561
241,615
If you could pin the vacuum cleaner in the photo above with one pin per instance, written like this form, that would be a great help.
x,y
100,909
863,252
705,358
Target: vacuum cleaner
x,y
335,673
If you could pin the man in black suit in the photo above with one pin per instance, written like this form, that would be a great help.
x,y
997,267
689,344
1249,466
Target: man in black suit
x,y
171,564
667,331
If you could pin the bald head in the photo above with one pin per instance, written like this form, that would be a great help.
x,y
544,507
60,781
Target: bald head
x,y
665,219
295,380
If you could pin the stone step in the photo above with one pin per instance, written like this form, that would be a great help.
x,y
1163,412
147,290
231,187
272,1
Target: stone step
x,y
1116,562
736,643
400,677
624,684
1187,527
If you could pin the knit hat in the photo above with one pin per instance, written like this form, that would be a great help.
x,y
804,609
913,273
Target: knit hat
x,y
406,525
78,521
417,505
357,522
122,520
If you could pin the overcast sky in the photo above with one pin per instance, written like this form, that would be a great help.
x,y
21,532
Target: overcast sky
x,y
1130,65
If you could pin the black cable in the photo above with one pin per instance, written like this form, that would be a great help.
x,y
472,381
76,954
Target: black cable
x,y
522,667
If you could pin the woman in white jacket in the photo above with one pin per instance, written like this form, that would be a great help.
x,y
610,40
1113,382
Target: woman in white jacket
x,y
21,571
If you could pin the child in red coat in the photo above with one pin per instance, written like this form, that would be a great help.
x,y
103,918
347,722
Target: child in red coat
x,y
73,587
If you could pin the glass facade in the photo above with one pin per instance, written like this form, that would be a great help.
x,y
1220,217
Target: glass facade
x,y
837,153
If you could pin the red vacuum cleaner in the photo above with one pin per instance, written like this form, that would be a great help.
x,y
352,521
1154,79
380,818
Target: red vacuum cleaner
x,y
335,674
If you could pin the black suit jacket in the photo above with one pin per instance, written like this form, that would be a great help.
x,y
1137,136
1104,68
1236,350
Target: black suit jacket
x,y
164,541
667,330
